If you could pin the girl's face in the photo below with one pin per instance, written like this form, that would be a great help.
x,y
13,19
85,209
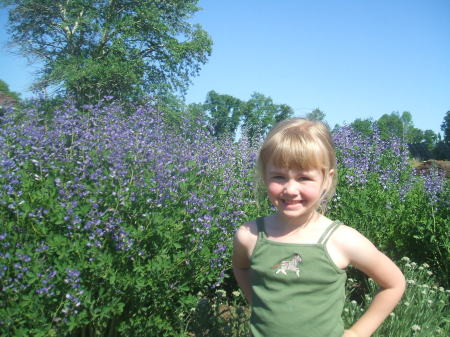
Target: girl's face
x,y
296,193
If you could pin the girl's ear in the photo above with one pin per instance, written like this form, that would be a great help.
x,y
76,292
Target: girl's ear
x,y
328,178
331,173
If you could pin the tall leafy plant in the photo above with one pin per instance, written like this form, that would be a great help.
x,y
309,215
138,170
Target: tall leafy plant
x,y
123,48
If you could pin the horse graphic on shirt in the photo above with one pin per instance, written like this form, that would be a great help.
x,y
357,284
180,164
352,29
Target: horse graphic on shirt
x,y
291,265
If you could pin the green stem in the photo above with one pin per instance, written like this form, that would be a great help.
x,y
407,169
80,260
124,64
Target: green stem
x,y
54,315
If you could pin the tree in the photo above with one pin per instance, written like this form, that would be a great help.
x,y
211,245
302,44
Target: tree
x,y
316,115
414,135
410,134
442,149
445,127
224,112
406,119
390,125
124,48
197,111
430,138
363,126
7,95
260,114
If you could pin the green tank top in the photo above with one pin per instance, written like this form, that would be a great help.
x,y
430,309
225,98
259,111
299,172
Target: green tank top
x,y
298,291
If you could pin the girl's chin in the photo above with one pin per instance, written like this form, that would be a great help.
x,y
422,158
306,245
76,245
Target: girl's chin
x,y
295,212
293,207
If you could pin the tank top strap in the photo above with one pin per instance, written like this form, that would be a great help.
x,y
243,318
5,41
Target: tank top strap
x,y
261,227
328,232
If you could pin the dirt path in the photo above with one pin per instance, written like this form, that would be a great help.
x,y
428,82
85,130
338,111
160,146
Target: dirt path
x,y
425,166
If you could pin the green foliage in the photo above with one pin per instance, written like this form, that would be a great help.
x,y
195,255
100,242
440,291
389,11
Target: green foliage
x,y
126,49
223,315
445,127
391,125
396,125
397,224
161,246
225,114
420,151
89,248
138,292
260,114
430,138
423,143
4,90
316,115
363,126
442,151
224,111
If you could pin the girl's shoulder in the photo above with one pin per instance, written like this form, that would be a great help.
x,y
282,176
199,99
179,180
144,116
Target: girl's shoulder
x,y
346,233
245,239
357,250
247,232
246,235
348,246
350,241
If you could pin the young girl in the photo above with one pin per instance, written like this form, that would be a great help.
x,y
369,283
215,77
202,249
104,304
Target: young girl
x,y
291,265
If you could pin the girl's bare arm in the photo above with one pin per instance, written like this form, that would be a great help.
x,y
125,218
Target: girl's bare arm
x,y
366,257
243,245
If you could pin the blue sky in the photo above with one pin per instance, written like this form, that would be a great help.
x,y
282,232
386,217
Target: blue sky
x,y
351,59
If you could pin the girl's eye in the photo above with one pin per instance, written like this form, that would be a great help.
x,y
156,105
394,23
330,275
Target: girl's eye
x,y
278,177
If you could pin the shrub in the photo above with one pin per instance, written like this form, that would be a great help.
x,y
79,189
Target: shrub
x,y
221,315
380,194
113,220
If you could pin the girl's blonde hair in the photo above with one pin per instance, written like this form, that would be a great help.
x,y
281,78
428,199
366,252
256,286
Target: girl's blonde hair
x,y
300,144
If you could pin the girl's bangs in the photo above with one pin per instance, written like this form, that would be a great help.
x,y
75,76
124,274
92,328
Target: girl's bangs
x,y
297,153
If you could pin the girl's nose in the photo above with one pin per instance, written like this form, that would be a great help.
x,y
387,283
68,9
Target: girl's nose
x,y
291,187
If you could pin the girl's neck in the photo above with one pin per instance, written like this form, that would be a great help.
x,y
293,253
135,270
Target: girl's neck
x,y
291,225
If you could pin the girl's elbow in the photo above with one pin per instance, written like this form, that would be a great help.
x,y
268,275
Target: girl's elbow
x,y
399,284
402,283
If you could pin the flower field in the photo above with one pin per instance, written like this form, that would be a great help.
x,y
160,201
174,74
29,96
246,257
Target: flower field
x,y
114,222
